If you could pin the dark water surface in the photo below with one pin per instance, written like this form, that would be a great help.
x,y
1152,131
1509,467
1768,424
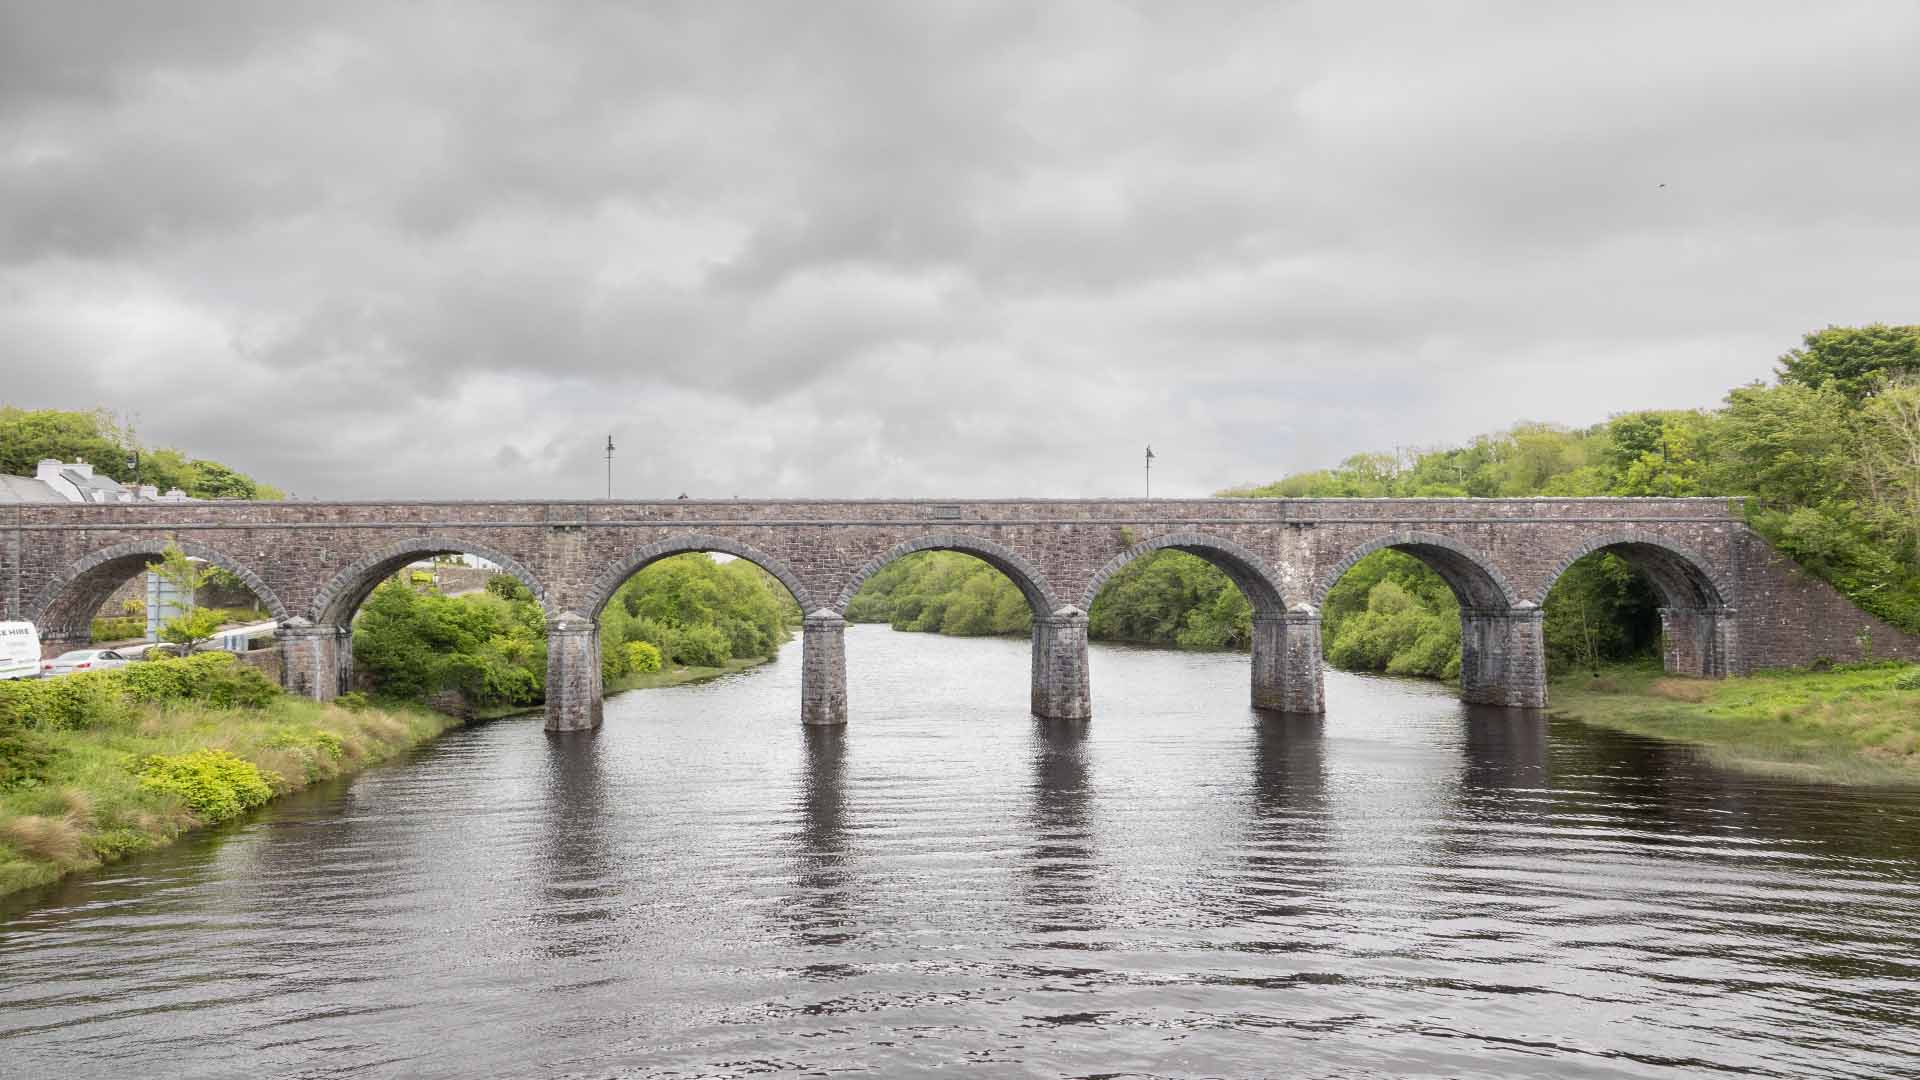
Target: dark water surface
x,y
1180,887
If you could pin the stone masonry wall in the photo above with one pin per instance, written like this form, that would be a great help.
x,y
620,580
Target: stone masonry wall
x,y
308,559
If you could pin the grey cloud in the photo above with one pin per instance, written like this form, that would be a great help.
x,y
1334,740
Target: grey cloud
x,y
868,248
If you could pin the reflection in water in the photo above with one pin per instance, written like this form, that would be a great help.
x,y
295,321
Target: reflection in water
x,y
1179,887
579,888
1288,866
1506,749
1058,867
820,909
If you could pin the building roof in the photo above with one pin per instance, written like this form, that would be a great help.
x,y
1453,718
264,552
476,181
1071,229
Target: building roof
x,y
94,488
25,489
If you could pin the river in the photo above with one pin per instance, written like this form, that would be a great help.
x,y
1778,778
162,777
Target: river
x,y
1179,887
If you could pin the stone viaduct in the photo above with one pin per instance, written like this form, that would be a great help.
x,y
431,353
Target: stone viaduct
x,y
1731,603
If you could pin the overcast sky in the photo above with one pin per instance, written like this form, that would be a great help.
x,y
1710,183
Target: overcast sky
x,y
824,249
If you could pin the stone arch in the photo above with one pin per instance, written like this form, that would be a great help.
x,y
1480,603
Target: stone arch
x,y
684,543
68,601
1476,582
1682,576
1249,572
343,594
1024,575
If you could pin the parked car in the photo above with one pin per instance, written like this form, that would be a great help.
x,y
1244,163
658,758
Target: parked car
x,y
83,660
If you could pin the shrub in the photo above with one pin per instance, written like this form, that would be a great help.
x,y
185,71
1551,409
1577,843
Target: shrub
x,y
642,657
613,661
119,628
352,701
94,699
82,699
25,758
213,783
159,680
1909,681
508,587
215,678
702,646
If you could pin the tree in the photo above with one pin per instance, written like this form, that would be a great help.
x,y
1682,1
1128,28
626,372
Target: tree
x,y
191,628
28,436
184,574
1853,360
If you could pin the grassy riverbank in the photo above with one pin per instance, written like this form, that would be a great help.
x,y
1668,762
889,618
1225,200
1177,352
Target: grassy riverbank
x,y
677,676
140,775
1858,725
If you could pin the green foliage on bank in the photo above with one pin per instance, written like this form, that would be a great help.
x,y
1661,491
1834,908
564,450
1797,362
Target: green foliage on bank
x,y
1172,598
97,765
87,699
491,646
691,611
1828,458
942,592
1855,724
29,435
212,783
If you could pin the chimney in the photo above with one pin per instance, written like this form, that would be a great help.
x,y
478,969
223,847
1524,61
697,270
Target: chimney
x,y
47,469
84,468
148,493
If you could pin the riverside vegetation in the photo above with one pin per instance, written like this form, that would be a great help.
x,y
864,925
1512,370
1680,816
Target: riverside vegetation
x,y
97,765
683,618
1827,458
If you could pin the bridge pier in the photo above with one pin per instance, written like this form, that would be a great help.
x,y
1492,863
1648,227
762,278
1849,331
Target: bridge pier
x,y
316,659
1287,674
573,673
1698,641
823,669
1503,656
1061,690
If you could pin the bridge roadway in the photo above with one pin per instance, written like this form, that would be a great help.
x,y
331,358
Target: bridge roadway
x,y
1731,603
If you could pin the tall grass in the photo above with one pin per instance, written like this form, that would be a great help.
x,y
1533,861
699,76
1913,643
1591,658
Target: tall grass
x,y
86,805
1854,725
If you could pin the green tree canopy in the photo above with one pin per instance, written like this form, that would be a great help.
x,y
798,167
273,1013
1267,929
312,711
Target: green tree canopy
x,y
27,436
1853,360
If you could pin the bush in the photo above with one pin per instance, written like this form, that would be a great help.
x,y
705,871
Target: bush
x,y
352,701
80,700
95,699
1909,681
25,758
119,628
642,657
613,661
508,587
215,678
213,783
702,646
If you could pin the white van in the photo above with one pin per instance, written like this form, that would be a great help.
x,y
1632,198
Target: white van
x,y
19,650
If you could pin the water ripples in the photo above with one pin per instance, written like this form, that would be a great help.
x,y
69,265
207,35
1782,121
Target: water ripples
x,y
1180,887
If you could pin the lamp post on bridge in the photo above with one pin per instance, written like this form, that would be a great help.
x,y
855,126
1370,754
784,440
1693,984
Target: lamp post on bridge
x,y
1149,473
609,465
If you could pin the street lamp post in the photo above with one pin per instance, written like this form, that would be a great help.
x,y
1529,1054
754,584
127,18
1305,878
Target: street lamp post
x,y
1149,472
609,466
